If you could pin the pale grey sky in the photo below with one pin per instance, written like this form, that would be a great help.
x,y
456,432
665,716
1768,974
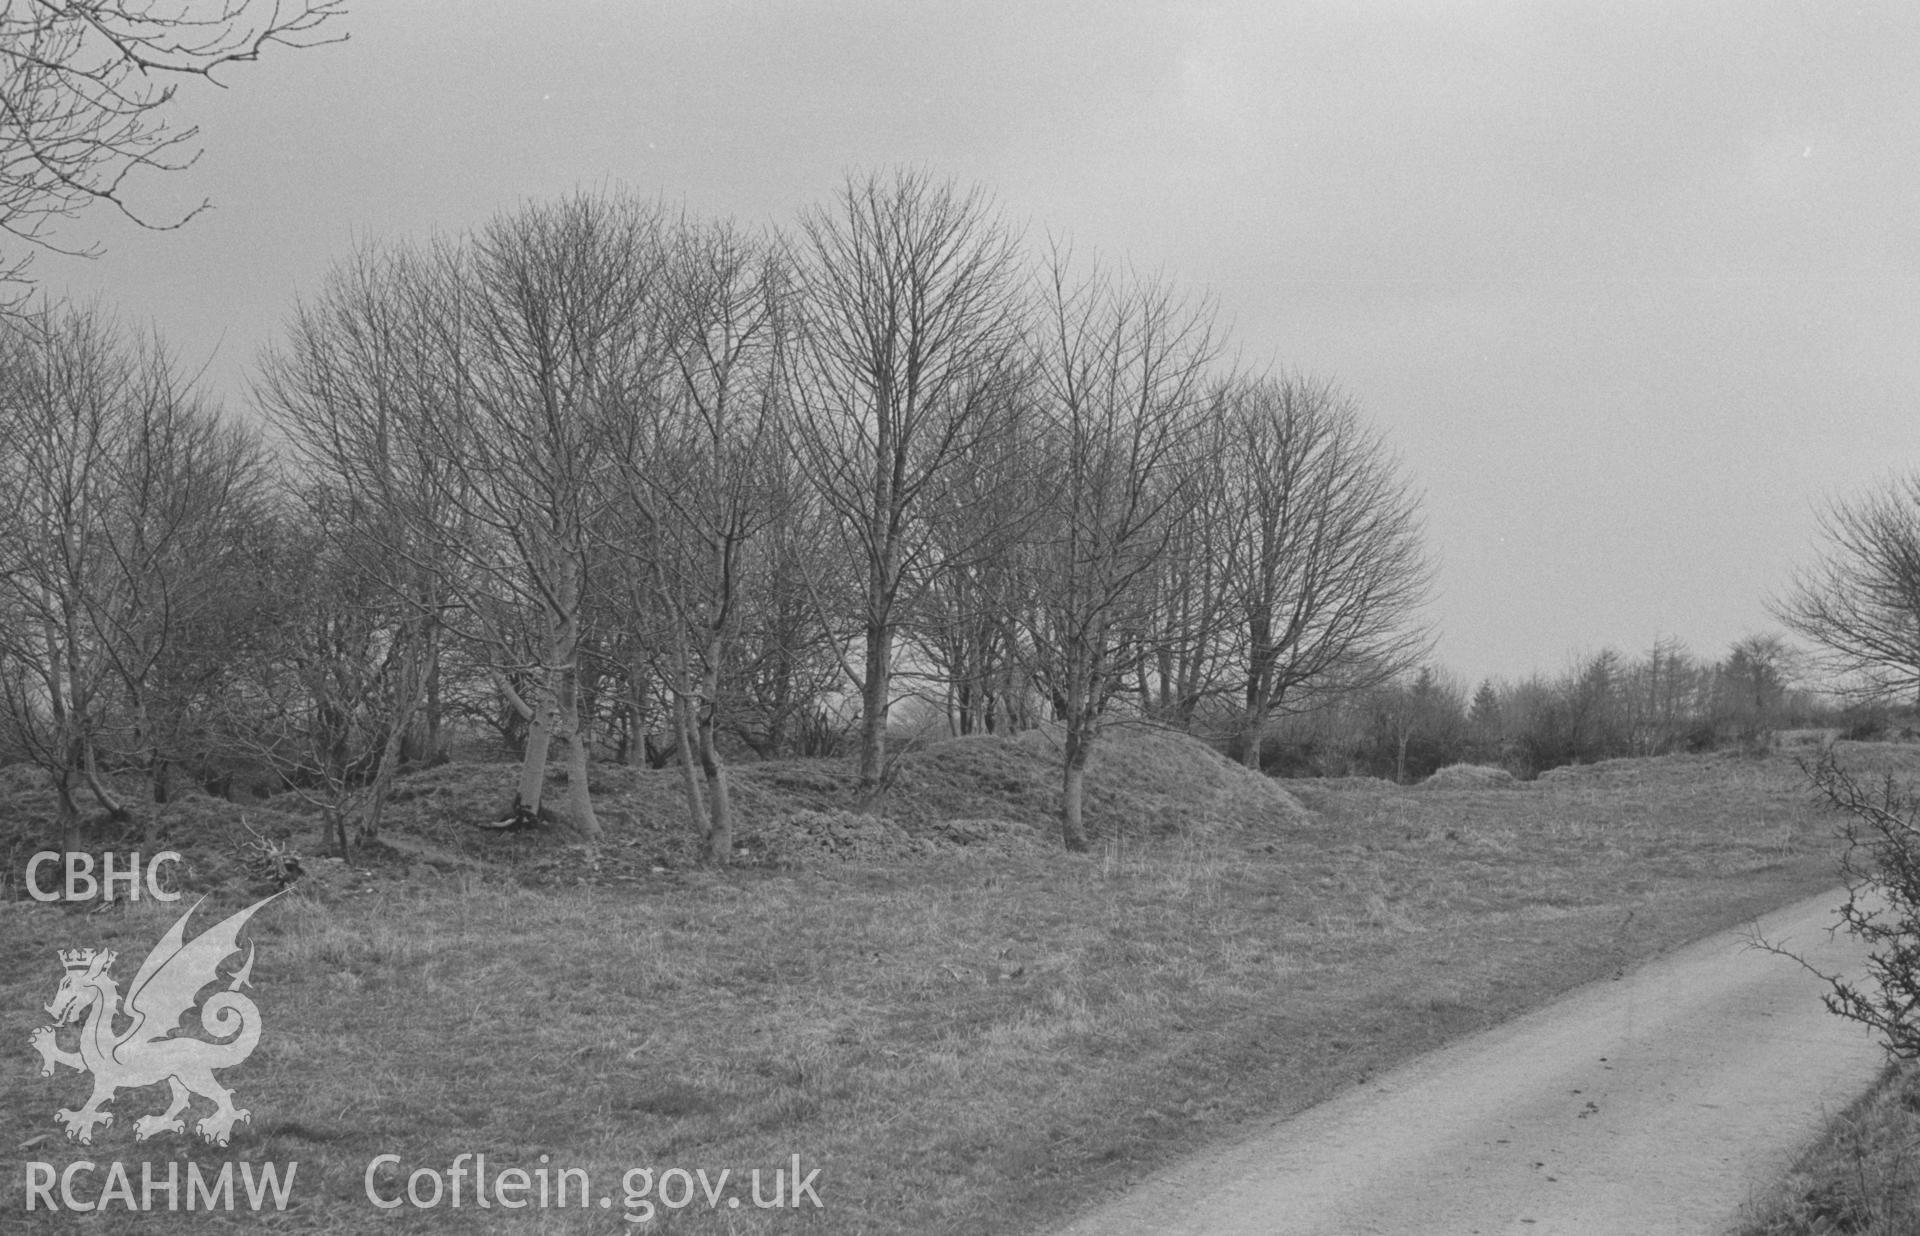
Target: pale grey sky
x,y
1631,287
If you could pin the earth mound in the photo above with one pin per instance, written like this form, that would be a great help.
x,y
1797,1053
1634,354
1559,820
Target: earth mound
x,y
1469,777
981,794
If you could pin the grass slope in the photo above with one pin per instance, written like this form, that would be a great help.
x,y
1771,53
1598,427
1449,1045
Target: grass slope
x,y
1862,1176
962,1028
993,789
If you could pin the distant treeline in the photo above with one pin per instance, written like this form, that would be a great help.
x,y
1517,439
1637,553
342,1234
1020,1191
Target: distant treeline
x,y
1605,706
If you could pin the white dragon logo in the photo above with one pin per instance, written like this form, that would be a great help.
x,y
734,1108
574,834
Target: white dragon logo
x,y
143,1054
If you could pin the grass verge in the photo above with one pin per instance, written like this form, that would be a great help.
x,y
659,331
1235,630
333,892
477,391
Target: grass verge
x,y
959,1037
1861,1178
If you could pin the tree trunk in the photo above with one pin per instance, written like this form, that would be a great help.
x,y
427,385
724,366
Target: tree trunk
x,y
436,742
579,739
147,751
86,761
1016,694
71,840
1073,783
63,735
393,752
689,778
513,731
420,735
1256,724
96,784
875,696
636,752
719,800
533,765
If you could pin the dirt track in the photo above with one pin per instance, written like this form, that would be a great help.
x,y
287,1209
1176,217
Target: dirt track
x,y
1658,1103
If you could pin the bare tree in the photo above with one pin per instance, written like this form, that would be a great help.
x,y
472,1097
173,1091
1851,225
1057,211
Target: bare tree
x,y
979,516
1860,603
1661,698
908,311
1329,570
64,391
1123,364
698,466
125,492
1751,688
548,317
356,392
457,408
87,98
314,695
1429,706
787,669
191,491
1880,867
1198,619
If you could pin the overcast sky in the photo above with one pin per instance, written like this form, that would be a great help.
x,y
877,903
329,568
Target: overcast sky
x,y
1629,287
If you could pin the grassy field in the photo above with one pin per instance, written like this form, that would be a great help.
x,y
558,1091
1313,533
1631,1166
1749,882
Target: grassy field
x,y
959,1027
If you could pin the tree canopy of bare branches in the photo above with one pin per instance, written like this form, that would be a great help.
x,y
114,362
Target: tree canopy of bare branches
x,y
558,312
87,98
598,476
1860,603
700,479
1330,572
129,504
1123,363
908,316
355,391
468,410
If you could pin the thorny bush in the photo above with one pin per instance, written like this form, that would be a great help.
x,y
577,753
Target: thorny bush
x,y
1880,825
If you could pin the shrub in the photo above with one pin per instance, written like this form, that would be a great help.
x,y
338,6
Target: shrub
x,y
1881,866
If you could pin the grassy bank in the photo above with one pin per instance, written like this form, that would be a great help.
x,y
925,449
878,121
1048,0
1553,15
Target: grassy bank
x,y
960,1027
1863,1177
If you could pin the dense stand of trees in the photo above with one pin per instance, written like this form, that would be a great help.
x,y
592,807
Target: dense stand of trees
x,y
618,483
127,548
